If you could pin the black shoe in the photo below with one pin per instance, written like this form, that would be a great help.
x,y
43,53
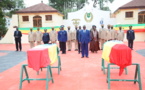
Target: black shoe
x,y
76,49
82,57
69,50
87,57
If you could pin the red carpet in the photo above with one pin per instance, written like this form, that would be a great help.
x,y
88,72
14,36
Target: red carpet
x,y
77,73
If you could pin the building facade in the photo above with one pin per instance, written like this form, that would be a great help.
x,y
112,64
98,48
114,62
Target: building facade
x,y
40,15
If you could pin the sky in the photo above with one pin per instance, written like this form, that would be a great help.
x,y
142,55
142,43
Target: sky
x,y
116,4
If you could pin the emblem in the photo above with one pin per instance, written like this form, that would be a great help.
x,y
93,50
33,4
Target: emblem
x,y
76,22
88,17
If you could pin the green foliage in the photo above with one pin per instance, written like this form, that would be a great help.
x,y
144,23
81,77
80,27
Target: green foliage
x,y
66,6
10,6
102,2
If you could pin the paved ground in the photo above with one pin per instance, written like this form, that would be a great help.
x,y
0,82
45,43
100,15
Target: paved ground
x,y
77,73
141,52
11,59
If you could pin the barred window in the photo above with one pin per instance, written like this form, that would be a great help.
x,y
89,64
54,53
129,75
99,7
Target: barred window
x,y
25,18
129,14
48,17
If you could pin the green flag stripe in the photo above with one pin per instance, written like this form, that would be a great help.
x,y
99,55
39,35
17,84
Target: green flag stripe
x,y
127,25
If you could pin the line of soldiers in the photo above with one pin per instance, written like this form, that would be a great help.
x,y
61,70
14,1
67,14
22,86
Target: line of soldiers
x,y
70,36
38,36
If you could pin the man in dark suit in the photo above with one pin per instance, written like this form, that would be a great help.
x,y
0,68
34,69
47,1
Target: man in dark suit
x,y
17,36
130,37
77,36
62,38
84,39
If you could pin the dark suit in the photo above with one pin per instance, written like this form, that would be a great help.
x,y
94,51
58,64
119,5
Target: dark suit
x,y
77,36
62,38
45,38
84,39
130,38
18,35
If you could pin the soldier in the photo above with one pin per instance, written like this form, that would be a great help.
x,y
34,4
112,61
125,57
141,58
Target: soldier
x,y
39,35
62,38
45,37
120,34
53,36
108,36
31,38
113,32
102,35
69,39
74,38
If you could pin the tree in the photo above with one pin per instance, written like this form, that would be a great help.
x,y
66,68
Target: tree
x,y
101,4
10,6
66,6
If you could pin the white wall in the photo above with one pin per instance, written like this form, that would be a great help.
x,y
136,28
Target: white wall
x,y
98,15
9,37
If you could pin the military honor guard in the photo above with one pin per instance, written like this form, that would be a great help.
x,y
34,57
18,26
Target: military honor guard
x,y
113,32
39,35
108,36
31,38
69,39
120,34
17,36
94,44
45,37
102,35
84,39
74,38
62,38
130,37
53,35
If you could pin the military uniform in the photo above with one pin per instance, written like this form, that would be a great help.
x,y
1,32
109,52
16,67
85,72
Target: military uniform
x,y
38,37
69,39
31,39
53,36
102,36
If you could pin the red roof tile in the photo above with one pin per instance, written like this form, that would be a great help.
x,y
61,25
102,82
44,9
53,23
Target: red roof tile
x,y
134,4
38,8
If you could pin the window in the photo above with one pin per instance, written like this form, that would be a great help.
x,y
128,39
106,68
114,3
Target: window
x,y
128,14
48,17
25,18
141,17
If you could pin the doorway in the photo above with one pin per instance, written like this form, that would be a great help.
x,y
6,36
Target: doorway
x,y
37,21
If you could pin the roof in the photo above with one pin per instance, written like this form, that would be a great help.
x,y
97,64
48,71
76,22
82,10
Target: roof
x,y
38,8
134,4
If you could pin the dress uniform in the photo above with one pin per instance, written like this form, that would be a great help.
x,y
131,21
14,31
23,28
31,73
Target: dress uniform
x,y
69,39
31,38
120,34
62,38
38,36
109,34
45,37
102,35
53,35
74,38
112,33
